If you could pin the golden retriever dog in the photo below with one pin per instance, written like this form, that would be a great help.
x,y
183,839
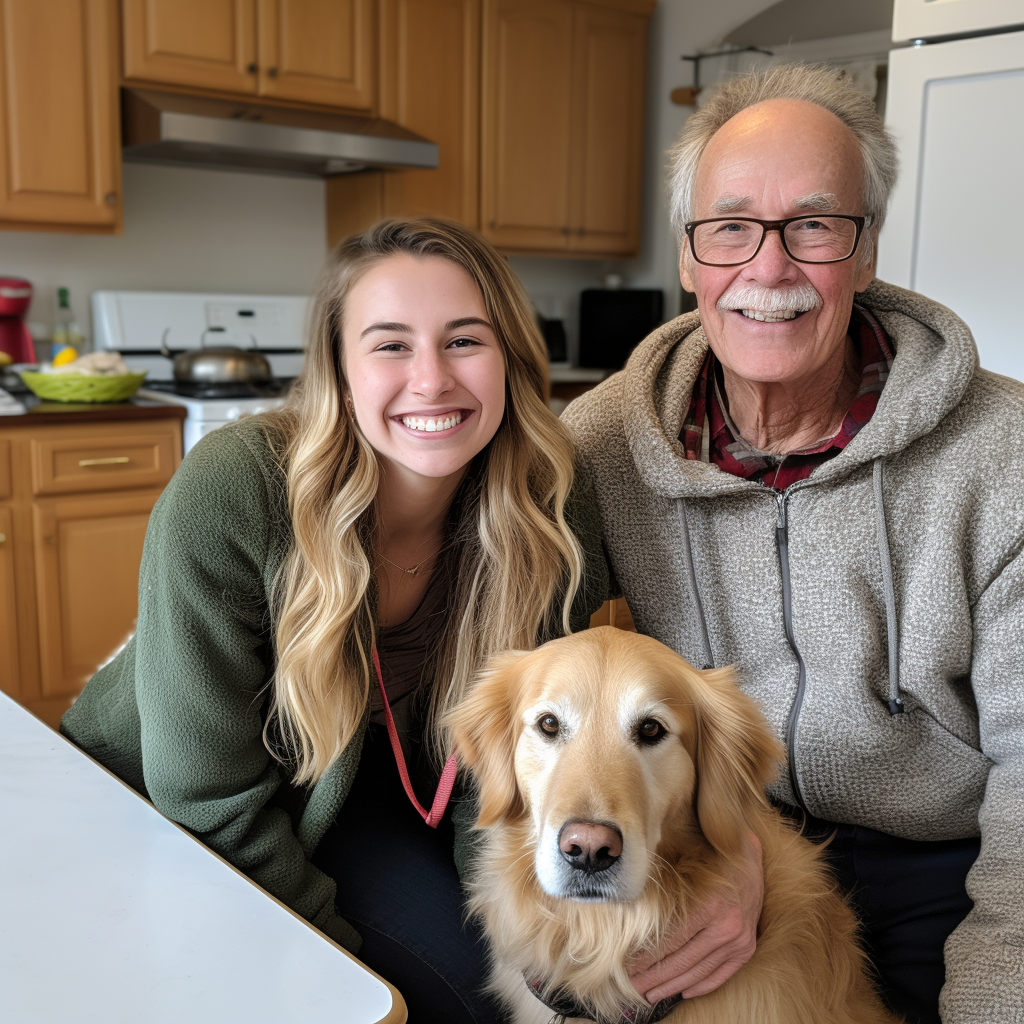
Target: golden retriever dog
x,y
617,786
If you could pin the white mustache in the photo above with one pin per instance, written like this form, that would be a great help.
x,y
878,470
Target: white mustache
x,y
800,297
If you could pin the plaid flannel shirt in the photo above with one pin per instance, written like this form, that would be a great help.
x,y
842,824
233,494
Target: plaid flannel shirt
x,y
709,435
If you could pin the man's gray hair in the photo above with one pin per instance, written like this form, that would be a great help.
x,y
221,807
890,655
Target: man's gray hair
x,y
828,87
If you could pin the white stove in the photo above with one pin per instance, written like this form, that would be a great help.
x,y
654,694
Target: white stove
x,y
136,324
205,414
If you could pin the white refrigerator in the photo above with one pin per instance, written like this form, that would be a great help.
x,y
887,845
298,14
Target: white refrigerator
x,y
955,228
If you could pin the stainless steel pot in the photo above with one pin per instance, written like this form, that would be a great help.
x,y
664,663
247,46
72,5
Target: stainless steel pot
x,y
219,364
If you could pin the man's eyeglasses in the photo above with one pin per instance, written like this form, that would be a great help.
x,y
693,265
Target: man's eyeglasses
x,y
730,241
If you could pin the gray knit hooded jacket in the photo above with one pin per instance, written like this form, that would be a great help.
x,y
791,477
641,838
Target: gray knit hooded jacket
x,y
874,610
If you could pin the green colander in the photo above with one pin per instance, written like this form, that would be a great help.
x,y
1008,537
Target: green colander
x,y
81,387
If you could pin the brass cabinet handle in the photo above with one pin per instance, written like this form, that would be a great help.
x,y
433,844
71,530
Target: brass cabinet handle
x,y
3,537
104,462
566,230
252,68
272,72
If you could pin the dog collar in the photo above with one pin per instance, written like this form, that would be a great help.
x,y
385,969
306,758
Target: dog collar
x,y
565,1007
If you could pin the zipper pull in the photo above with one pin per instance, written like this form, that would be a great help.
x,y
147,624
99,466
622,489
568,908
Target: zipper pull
x,y
781,531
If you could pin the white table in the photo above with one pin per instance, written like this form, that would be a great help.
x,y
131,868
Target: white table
x,y
111,913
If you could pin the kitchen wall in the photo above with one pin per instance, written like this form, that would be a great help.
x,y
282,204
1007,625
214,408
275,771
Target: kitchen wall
x,y
185,229
203,230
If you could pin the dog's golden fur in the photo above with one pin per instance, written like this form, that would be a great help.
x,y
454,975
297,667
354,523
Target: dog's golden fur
x,y
683,804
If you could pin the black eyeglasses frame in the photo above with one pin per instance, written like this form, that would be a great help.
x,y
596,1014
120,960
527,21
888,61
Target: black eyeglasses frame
x,y
773,225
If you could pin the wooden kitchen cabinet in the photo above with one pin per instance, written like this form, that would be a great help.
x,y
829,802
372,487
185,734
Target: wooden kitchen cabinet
x,y
606,160
8,607
430,84
562,125
60,160
321,52
208,44
538,110
527,123
74,521
87,553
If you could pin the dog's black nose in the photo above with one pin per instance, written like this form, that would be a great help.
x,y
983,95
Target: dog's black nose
x,y
589,846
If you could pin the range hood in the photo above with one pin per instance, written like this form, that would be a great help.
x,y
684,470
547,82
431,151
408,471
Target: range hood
x,y
169,128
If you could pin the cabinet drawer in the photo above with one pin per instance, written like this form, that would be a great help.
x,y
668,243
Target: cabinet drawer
x,y
5,469
64,465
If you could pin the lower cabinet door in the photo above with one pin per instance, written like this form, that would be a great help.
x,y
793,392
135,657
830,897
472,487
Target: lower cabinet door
x,y
8,608
87,553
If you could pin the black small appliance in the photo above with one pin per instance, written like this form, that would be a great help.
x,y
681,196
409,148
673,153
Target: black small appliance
x,y
613,321
554,338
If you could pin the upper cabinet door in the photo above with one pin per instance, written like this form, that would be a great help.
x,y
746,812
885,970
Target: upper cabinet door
x,y
59,146
430,84
319,51
609,65
206,44
526,123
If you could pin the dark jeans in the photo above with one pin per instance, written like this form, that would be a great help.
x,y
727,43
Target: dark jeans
x,y
908,896
397,885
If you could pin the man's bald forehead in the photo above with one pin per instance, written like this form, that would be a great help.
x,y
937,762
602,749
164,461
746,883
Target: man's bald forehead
x,y
765,136
768,113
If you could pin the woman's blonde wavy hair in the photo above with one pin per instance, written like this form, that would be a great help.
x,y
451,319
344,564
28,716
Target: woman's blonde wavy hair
x,y
511,557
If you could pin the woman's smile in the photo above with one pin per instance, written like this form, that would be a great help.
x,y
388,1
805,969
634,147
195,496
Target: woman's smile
x,y
434,422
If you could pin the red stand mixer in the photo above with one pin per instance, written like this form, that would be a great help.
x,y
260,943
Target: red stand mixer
x,y
15,340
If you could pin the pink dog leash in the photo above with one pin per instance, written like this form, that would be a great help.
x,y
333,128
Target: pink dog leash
x,y
445,783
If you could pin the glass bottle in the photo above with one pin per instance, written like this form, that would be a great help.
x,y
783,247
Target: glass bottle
x,y
66,332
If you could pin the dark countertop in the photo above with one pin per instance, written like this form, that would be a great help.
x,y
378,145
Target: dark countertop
x,y
40,412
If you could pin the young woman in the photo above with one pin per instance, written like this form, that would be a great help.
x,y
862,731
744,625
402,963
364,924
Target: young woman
x,y
410,507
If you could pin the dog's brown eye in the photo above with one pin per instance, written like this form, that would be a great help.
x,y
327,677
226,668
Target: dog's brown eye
x,y
650,730
548,725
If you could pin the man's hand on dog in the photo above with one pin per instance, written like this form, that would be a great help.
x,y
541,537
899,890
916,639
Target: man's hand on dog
x,y
712,944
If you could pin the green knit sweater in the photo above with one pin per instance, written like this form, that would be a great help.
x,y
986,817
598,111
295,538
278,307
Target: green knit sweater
x,y
179,713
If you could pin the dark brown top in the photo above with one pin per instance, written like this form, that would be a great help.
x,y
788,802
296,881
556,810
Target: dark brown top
x,y
406,650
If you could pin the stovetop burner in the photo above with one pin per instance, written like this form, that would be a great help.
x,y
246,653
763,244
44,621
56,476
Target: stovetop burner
x,y
275,388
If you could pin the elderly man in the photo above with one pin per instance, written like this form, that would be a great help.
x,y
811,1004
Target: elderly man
x,y
811,478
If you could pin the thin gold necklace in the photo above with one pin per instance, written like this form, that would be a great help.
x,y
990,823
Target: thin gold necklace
x,y
415,570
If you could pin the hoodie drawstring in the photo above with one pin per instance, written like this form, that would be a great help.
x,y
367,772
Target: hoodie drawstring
x,y
895,703
709,657
895,699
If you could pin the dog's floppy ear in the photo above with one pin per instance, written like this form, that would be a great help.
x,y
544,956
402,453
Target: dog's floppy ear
x,y
736,758
484,728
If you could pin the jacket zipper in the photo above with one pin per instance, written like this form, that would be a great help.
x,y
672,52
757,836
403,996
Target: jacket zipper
x,y
782,542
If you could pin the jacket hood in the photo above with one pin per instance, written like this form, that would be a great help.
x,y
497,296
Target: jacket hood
x,y
936,358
